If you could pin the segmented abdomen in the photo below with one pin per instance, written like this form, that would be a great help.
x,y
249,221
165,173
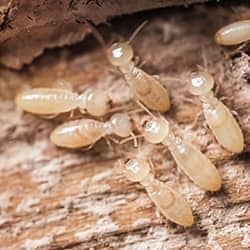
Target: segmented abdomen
x,y
78,133
234,33
197,166
46,101
171,204
225,128
149,90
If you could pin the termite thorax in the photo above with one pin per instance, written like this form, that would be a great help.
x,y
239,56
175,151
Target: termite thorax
x,y
173,142
128,69
108,128
149,182
82,100
209,101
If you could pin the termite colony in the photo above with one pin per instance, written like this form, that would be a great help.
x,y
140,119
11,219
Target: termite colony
x,y
155,129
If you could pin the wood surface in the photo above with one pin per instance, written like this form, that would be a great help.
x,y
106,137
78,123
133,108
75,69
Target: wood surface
x,y
29,27
52,198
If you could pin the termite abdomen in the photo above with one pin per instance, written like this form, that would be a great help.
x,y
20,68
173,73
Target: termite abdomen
x,y
234,33
47,101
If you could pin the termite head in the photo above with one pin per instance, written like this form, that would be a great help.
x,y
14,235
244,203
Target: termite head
x,y
136,169
121,125
201,83
120,53
155,130
95,102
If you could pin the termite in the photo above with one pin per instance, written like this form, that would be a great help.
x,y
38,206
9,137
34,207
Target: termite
x,y
85,132
147,88
53,101
234,33
171,204
219,118
195,164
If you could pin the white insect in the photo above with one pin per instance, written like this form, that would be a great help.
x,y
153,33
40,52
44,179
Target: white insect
x,y
219,118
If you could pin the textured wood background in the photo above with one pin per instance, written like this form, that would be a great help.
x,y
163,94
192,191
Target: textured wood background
x,y
52,198
29,27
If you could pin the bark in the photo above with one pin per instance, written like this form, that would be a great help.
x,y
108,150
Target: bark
x,y
52,198
29,27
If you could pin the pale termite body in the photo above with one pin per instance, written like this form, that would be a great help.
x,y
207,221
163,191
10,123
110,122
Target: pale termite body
x,y
53,101
188,158
219,118
234,33
85,132
170,203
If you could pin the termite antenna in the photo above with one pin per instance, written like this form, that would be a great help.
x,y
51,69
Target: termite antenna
x,y
145,108
130,138
137,30
96,33
151,164
135,139
137,154
204,60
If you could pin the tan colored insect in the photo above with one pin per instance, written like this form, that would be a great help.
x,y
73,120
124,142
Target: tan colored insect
x,y
86,132
219,118
171,204
195,164
53,101
234,33
147,89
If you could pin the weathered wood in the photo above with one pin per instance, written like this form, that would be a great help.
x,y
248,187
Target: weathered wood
x,y
29,27
52,198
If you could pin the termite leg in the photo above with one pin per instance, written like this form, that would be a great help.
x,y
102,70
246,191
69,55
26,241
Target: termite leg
x,y
88,148
132,137
157,77
237,116
107,140
82,111
238,49
49,116
197,117
216,89
138,63
151,166
71,114
145,108
204,59
227,98
136,60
